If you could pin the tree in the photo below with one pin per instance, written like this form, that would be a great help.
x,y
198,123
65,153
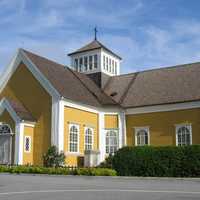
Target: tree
x,y
53,158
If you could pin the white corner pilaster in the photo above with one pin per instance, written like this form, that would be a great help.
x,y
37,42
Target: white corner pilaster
x,y
57,129
54,121
61,126
102,142
122,129
19,140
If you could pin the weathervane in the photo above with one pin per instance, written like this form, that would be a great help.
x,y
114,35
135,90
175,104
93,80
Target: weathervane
x,y
95,33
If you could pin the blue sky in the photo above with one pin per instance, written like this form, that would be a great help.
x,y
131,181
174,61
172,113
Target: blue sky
x,y
145,33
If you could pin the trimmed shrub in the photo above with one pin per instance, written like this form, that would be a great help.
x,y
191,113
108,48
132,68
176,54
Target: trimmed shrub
x,y
95,172
158,161
53,158
107,163
59,170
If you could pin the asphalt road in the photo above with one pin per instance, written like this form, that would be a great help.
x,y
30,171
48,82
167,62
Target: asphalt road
x,y
29,187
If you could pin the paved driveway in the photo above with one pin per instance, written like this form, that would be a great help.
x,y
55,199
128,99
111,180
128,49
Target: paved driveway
x,y
29,187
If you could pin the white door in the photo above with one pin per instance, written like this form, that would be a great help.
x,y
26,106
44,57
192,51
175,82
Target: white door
x,y
5,144
5,149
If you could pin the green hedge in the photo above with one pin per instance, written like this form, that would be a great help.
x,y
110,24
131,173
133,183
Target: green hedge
x,y
59,171
158,161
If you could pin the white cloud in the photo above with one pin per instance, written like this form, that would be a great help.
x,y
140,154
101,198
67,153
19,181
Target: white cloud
x,y
59,27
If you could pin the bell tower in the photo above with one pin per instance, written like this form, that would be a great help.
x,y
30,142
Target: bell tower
x,y
95,58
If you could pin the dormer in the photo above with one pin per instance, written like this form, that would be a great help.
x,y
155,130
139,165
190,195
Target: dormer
x,y
95,57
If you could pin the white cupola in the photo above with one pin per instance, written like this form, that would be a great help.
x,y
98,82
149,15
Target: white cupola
x,y
95,57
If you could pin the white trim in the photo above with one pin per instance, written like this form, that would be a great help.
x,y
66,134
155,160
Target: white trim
x,y
78,128
19,138
54,122
4,104
92,129
74,122
60,126
67,153
162,108
182,124
89,125
29,125
101,114
88,108
117,134
111,57
109,129
72,104
86,54
39,76
124,141
30,146
122,129
188,125
22,57
5,124
137,129
9,70
101,138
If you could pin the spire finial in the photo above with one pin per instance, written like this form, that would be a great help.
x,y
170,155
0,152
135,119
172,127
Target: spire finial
x,y
95,33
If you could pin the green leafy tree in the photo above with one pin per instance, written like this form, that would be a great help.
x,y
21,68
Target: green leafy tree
x,y
53,158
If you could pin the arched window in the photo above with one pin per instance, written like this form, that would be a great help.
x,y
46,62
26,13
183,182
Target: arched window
x,y
142,136
73,138
88,138
183,135
111,141
5,129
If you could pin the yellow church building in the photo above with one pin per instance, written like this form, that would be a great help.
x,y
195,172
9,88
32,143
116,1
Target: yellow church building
x,y
89,110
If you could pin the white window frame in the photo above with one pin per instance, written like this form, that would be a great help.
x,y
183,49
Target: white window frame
x,y
25,144
8,126
104,62
117,131
137,129
178,126
85,70
78,128
92,62
92,129
81,66
96,62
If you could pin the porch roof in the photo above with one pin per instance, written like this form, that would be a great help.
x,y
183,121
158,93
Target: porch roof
x,y
17,110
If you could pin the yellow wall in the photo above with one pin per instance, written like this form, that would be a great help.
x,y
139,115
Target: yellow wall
x,y
28,156
83,119
162,126
111,121
25,88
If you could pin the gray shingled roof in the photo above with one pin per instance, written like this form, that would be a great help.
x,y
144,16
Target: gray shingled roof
x,y
155,87
95,44
21,111
117,86
70,84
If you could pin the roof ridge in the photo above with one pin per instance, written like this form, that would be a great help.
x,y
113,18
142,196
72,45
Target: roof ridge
x,y
161,68
85,85
48,59
127,89
89,47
